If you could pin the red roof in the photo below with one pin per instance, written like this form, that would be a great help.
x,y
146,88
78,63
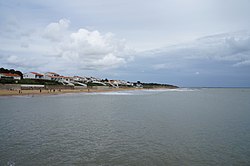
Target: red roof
x,y
10,75
52,73
38,74
68,77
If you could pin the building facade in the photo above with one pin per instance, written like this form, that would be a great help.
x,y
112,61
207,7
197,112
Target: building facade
x,y
33,75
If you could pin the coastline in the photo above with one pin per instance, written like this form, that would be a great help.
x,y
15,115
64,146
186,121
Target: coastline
x,y
64,91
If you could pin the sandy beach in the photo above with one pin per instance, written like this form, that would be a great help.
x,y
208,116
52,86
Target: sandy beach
x,y
57,92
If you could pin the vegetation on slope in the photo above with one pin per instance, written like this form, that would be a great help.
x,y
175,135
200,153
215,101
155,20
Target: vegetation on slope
x,y
30,81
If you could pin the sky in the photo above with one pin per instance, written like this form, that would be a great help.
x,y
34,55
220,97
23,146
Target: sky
x,y
188,43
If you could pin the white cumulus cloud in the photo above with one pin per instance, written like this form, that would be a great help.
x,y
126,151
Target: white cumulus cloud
x,y
60,48
56,30
93,50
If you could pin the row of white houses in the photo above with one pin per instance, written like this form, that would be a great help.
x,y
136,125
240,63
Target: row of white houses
x,y
35,75
65,80
76,80
73,80
52,76
57,77
10,75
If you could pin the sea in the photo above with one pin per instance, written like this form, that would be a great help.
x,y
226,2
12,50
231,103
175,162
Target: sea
x,y
203,126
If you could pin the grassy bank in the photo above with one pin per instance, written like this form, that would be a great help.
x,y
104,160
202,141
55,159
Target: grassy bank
x,y
30,81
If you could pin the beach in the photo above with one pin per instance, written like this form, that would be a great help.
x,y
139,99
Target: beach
x,y
61,91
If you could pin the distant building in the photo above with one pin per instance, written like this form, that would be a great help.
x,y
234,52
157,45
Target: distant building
x,y
33,75
52,76
10,76
68,79
117,83
114,83
77,78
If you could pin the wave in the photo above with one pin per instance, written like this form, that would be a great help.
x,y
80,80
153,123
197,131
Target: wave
x,y
16,96
142,91
111,93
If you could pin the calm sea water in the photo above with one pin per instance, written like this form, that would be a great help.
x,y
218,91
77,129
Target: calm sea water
x,y
178,127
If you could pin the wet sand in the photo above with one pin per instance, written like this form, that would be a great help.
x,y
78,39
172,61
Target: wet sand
x,y
56,92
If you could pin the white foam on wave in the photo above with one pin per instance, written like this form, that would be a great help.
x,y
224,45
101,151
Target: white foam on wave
x,y
92,93
118,93
182,90
142,91
17,96
111,93
169,90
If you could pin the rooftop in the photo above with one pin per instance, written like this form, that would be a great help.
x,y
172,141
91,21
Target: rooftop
x,y
10,75
37,73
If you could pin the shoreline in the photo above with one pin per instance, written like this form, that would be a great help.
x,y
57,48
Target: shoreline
x,y
65,91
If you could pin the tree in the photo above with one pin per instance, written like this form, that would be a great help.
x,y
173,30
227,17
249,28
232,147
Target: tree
x,y
19,73
3,70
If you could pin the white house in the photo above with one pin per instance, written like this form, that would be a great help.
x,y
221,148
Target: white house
x,y
54,78
51,76
69,79
10,75
1,75
98,82
33,75
77,78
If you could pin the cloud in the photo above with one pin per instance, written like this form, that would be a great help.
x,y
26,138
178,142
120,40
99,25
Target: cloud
x,y
93,50
56,46
24,45
18,61
165,66
55,31
230,47
243,63
160,66
212,58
